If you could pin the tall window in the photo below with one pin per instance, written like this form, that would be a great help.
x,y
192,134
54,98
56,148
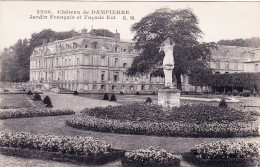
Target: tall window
x,y
77,61
116,62
256,67
125,65
227,65
236,65
116,77
103,76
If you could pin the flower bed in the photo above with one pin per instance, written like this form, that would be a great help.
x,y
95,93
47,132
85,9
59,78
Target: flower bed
x,y
73,149
187,113
150,157
195,121
234,153
33,112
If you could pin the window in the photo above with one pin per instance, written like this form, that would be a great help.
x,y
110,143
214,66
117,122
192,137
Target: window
x,y
142,87
103,76
124,64
227,65
86,46
95,45
66,62
77,61
132,88
36,63
103,87
256,67
115,77
124,50
94,87
103,60
116,62
70,62
57,62
116,48
236,65
113,87
75,45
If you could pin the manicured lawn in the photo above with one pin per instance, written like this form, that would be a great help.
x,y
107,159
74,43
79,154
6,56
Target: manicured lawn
x,y
14,101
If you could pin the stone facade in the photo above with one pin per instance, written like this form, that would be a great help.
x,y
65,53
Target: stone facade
x,y
88,63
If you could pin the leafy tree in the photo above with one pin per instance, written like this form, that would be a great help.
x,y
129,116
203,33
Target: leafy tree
x,y
102,32
252,42
15,60
181,26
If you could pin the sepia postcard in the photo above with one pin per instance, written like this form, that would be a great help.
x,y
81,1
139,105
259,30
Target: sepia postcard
x,y
129,84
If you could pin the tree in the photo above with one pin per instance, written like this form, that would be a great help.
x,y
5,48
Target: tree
x,y
102,32
249,42
181,26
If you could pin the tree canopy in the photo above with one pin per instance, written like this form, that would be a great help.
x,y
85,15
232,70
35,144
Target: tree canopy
x,y
15,60
102,32
181,26
252,42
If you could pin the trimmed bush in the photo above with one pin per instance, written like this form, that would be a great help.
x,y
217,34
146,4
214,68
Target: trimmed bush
x,y
148,100
246,93
137,93
241,94
47,101
217,93
29,92
254,94
75,93
229,93
223,103
153,93
235,92
113,97
105,97
121,93
37,97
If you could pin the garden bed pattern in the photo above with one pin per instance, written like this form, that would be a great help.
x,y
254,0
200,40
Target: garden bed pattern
x,y
194,120
225,153
33,112
77,149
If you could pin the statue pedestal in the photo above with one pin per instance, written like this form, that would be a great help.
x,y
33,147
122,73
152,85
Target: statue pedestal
x,y
169,98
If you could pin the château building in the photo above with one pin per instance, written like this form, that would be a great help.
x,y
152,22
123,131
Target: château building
x,y
88,63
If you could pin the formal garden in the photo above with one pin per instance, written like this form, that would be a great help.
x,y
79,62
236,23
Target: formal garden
x,y
212,134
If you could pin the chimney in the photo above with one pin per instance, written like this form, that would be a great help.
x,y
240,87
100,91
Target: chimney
x,y
44,42
84,31
117,36
52,39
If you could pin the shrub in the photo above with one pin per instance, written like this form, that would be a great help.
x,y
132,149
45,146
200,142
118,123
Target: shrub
x,y
229,93
222,103
137,93
37,97
246,93
153,93
235,92
105,97
47,101
148,100
152,157
254,94
241,94
113,97
121,93
75,93
217,93
29,92
226,149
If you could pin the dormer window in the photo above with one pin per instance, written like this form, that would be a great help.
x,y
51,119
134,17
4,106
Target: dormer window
x,y
95,45
75,45
116,48
124,50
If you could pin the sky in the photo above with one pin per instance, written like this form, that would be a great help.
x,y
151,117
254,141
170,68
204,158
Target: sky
x,y
217,20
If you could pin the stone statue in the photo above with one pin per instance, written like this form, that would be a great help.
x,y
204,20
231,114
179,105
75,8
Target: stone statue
x,y
168,61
